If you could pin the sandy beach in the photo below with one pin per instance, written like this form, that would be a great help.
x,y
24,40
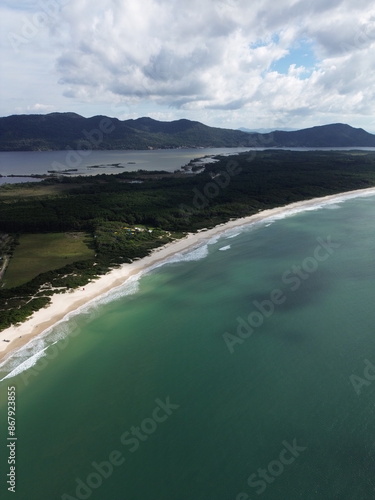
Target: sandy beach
x,y
61,305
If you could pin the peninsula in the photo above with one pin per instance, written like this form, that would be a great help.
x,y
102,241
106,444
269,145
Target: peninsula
x,y
66,241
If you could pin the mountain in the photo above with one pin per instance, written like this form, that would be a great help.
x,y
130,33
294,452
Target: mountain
x,y
335,135
262,130
59,131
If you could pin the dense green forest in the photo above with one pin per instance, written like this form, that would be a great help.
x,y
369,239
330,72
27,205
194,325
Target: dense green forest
x,y
60,131
127,215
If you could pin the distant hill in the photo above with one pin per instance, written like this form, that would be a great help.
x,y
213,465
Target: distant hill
x,y
335,135
59,131
262,130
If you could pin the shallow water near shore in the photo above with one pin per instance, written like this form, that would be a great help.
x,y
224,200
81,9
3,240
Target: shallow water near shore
x,y
242,369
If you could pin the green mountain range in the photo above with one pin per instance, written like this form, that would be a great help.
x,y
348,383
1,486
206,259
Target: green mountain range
x,y
60,131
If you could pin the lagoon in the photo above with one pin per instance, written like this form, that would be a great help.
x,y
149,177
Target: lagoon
x,y
111,162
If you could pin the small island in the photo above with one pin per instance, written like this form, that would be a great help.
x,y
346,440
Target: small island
x,y
84,227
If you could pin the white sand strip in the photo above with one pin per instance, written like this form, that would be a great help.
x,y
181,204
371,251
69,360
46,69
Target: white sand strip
x,y
63,304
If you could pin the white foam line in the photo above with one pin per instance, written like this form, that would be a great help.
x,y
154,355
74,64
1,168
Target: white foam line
x,y
25,365
195,249
129,287
237,233
319,204
193,254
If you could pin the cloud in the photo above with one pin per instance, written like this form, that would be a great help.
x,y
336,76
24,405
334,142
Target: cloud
x,y
207,55
184,53
38,107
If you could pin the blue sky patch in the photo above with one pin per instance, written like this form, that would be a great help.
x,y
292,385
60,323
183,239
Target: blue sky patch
x,y
263,43
300,55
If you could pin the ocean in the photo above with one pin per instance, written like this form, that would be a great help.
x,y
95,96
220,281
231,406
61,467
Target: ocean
x,y
240,369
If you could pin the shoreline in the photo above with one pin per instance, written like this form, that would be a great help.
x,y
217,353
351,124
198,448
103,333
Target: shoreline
x,y
15,337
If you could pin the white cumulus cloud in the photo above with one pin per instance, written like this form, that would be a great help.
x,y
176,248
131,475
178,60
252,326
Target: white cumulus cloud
x,y
209,59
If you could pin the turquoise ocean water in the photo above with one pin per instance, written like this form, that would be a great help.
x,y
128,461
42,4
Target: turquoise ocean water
x,y
242,369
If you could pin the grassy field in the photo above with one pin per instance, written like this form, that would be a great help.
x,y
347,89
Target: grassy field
x,y
12,192
38,253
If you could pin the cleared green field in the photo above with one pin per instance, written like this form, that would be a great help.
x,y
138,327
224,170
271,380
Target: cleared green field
x,y
39,253
13,192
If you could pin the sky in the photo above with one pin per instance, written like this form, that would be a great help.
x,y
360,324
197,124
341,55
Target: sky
x,y
226,63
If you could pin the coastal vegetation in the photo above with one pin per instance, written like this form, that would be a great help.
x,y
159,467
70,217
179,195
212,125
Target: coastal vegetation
x,y
117,218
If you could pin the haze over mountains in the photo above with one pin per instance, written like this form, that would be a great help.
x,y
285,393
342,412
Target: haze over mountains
x,y
59,131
